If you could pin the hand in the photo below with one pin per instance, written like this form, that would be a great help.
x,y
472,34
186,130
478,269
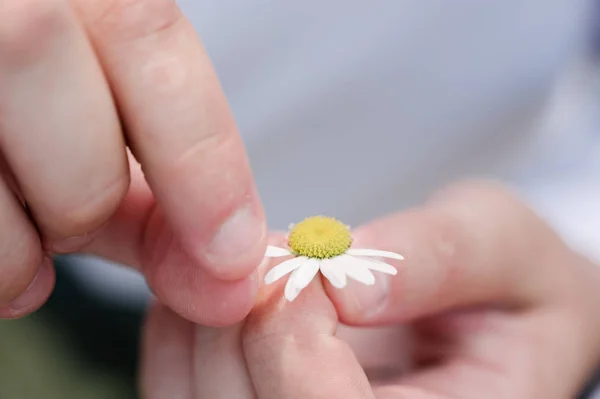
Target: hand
x,y
80,82
496,307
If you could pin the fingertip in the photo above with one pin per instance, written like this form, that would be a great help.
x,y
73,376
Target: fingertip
x,y
357,303
34,296
208,301
221,304
217,215
310,310
184,285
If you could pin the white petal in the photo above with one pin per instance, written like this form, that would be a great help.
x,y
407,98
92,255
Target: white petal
x,y
291,291
276,252
305,273
300,278
355,268
374,252
333,272
284,268
380,266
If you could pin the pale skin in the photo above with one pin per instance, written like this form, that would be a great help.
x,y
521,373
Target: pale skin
x,y
83,84
496,305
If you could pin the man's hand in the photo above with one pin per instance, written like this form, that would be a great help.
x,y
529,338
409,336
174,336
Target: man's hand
x,y
496,307
82,80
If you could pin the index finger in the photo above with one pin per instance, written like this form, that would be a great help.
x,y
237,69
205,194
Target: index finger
x,y
180,128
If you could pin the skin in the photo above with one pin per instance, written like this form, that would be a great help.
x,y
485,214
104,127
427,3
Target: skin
x,y
489,303
497,305
75,137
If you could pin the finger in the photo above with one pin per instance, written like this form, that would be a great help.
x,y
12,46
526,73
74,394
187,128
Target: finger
x,y
191,291
220,369
292,352
475,245
383,352
470,353
181,130
138,235
166,360
492,354
59,130
123,239
34,295
21,260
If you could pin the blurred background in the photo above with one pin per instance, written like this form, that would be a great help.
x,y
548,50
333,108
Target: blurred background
x,y
75,347
84,342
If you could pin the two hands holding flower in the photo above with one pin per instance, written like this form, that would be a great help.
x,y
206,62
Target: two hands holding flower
x,y
489,303
496,304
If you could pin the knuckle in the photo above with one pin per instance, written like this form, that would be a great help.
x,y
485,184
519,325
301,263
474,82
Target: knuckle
x,y
225,174
475,201
87,212
262,329
442,233
27,27
473,189
210,147
266,343
127,20
165,74
447,239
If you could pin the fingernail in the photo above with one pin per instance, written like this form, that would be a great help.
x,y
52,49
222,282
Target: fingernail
x,y
31,296
239,234
367,300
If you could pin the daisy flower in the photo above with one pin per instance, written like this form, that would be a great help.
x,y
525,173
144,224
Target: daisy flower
x,y
323,244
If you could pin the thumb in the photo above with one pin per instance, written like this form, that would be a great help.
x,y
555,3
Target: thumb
x,y
139,235
473,244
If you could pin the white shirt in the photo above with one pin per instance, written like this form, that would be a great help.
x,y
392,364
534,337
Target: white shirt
x,y
354,109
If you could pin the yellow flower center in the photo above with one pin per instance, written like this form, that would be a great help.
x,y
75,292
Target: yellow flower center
x,y
319,237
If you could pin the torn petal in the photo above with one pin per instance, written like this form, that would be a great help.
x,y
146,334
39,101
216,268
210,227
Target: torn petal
x,y
374,253
276,252
380,266
333,273
356,268
283,268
